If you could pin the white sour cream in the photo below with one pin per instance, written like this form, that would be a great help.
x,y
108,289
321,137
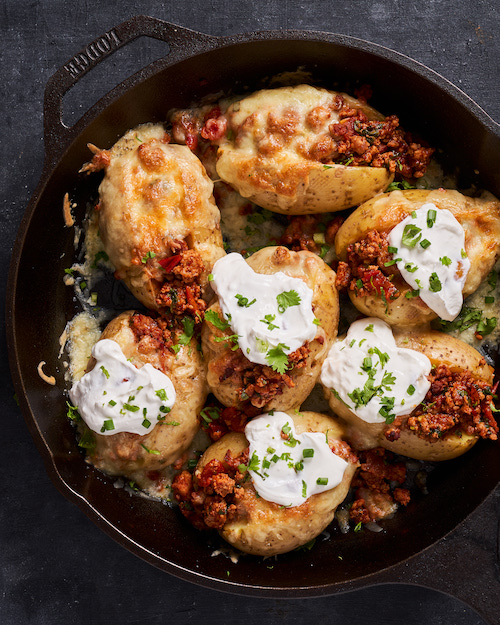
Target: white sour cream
x,y
250,302
288,472
117,397
432,259
372,376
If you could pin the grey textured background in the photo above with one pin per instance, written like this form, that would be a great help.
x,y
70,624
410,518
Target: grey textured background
x,y
56,567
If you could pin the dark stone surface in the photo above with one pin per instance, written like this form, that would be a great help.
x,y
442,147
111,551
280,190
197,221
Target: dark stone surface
x,y
56,567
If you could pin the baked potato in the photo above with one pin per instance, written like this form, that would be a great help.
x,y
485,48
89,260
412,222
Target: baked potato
x,y
265,528
455,411
238,382
280,153
392,298
140,339
157,216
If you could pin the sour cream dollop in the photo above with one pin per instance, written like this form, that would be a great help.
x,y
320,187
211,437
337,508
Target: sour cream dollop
x,y
430,254
374,377
117,397
264,311
289,471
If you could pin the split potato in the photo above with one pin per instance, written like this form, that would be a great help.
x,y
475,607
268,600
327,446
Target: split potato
x,y
479,217
265,528
127,454
278,152
155,202
226,367
441,349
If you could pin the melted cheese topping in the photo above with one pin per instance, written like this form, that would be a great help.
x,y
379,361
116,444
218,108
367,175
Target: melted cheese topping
x,y
429,249
117,397
288,468
264,311
374,377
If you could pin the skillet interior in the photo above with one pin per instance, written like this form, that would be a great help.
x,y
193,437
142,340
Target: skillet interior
x,y
40,306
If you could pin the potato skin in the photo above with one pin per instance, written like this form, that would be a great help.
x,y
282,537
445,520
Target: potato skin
x,y
480,218
153,194
265,528
122,453
321,279
440,348
280,177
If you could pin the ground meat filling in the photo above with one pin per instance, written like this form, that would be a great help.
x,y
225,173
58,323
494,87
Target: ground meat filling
x,y
217,420
456,402
360,142
259,384
153,335
377,486
181,293
369,269
209,499
303,230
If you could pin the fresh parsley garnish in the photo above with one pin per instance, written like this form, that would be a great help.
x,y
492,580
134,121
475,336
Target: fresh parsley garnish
x,y
277,359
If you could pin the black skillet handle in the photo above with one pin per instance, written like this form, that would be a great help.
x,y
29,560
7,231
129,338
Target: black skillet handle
x,y
465,564
56,134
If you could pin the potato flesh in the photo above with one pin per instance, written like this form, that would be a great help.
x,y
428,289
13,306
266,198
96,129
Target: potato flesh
x,y
272,160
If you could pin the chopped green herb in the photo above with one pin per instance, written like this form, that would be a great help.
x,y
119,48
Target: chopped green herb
x,y
425,243
486,326
431,217
489,299
412,294
308,453
322,481
287,299
392,250
112,402
98,257
131,407
402,185
150,451
277,359
148,256
444,260
434,283
304,489
410,390
162,394
105,371
73,413
411,235
146,423
243,301
212,317
108,425
268,319
209,414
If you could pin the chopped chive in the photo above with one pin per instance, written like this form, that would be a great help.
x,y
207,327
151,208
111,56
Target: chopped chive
x,y
392,250
431,217
105,371
112,402
425,243
108,425
410,390
308,453
146,423
322,481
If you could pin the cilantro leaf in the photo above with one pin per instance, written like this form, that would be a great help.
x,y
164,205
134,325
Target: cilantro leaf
x,y
287,299
277,359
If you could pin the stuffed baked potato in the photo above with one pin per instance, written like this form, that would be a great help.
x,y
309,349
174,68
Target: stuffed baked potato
x,y
455,412
249,522
142,341
368,271
283,151
235,380
157,217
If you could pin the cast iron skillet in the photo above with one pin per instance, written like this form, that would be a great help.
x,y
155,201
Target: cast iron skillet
x,y
39,305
